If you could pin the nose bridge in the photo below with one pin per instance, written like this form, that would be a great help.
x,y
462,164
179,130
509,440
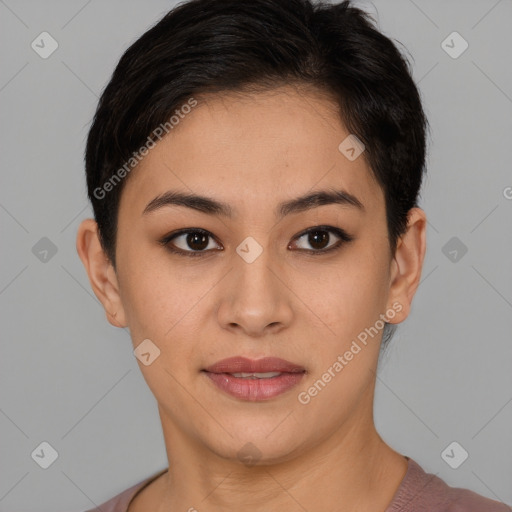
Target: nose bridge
x,y
253,267
254,270
258,297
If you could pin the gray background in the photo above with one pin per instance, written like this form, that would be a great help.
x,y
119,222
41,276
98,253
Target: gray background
x,y
70,379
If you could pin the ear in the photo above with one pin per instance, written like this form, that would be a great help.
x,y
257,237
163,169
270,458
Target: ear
x,y
407,264
101,272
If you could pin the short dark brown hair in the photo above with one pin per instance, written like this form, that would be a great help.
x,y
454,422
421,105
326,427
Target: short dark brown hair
x,y
229,45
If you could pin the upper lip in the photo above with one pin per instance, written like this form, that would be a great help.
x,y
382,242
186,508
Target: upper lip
x,y
241,364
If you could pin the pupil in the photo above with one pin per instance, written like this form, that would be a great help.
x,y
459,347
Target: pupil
x,y
317,238
197,238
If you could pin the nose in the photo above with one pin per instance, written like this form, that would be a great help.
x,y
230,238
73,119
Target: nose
x,y
256,300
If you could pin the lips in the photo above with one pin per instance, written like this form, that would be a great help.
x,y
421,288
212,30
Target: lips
x,y
245,365
255,380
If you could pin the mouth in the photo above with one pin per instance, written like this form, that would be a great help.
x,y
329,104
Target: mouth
x,y
254,380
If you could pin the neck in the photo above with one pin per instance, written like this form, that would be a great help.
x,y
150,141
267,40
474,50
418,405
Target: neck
x,y
353,470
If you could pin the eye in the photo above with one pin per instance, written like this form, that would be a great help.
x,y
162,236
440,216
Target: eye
x,y
320,236
195,239
197,242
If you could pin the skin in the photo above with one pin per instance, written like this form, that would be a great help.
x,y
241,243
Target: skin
x,y
253,152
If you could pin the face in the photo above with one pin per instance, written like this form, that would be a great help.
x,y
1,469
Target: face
x,y
263,275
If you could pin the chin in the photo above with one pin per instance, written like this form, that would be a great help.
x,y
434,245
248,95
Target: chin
x,y
257,442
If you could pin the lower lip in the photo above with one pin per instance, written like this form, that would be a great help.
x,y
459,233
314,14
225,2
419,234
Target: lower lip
x,y
255,390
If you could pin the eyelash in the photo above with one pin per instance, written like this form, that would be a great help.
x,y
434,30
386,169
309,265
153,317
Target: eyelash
x,y
343,235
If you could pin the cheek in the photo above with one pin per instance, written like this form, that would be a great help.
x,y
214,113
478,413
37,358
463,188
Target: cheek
x,y
154,297
161,309
350,306
347,295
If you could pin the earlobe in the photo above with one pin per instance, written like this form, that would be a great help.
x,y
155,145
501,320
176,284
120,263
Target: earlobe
x,y
407,264
100,271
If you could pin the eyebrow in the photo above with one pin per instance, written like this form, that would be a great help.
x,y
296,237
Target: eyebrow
x,y
213,207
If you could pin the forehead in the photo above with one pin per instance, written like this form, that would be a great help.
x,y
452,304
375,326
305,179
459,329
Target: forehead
x,y
245,149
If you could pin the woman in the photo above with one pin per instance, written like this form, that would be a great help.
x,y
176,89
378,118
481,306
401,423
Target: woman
x,y
254,169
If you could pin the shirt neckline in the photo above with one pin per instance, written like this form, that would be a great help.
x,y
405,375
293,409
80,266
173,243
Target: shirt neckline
x,y
399,496
144,485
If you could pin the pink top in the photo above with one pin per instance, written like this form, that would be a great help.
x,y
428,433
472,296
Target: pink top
x,y
418,492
